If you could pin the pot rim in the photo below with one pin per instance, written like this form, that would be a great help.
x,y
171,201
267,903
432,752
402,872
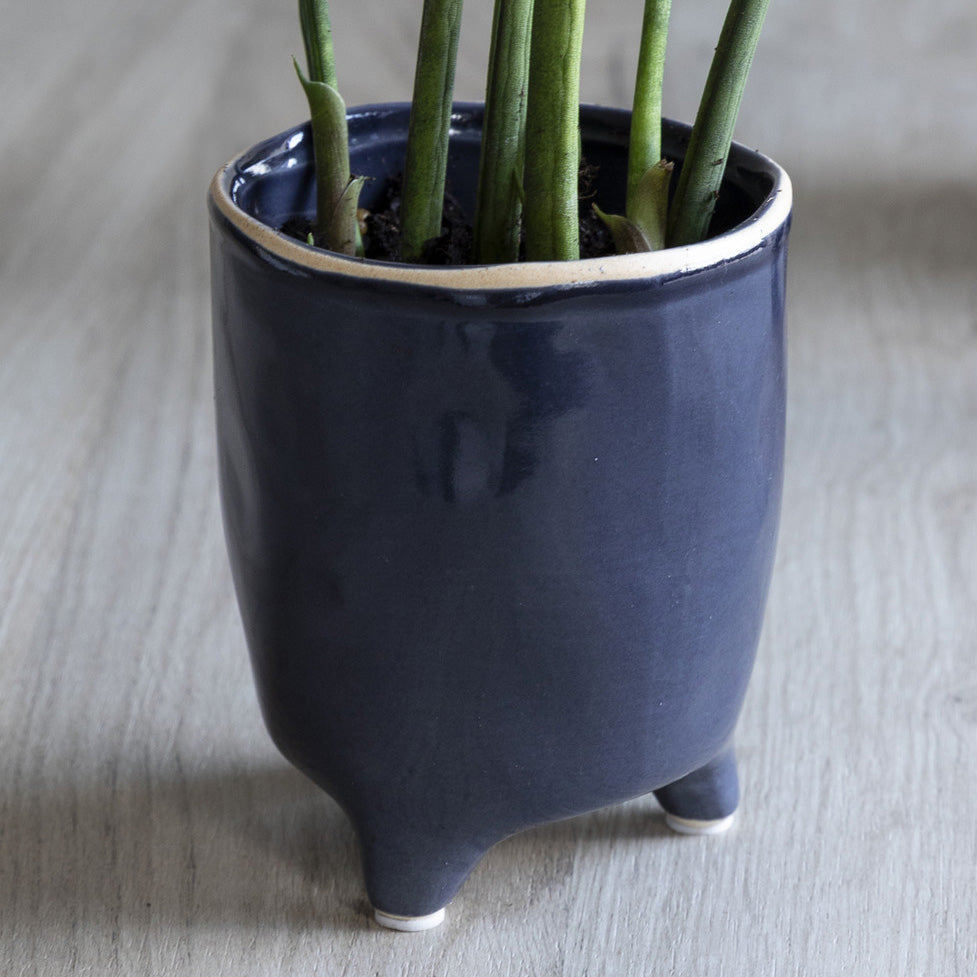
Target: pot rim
x,y
746,237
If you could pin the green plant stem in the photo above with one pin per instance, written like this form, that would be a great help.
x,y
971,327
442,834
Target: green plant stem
x,y
317,36
426,159
553,131
712,133
645,144
337,192
498,206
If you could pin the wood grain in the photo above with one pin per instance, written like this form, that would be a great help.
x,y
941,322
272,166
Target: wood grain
x,y
147,826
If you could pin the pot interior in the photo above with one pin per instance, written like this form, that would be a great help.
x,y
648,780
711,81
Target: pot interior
x,y
276,182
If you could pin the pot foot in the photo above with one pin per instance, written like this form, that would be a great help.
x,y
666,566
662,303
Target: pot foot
x,y
409,924
704,801
412,876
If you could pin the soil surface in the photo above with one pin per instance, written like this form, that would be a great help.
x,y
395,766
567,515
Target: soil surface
x,y
381,229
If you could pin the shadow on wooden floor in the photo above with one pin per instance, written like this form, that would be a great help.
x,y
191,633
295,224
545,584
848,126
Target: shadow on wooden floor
x,y
258,849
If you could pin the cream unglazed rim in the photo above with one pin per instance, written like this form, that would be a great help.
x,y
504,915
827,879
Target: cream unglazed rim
x,y
740,240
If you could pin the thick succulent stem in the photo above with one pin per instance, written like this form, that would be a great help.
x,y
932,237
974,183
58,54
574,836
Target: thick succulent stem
x,y
645,145
553,132
317,37
498,208
712,134
426,161
337,192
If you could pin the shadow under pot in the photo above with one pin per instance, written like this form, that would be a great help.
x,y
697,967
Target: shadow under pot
x,y
501,536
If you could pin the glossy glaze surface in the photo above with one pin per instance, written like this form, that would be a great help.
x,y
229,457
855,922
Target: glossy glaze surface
x,y
501,555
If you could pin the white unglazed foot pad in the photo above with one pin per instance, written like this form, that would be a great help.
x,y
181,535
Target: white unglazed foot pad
x,y
409,924
689,826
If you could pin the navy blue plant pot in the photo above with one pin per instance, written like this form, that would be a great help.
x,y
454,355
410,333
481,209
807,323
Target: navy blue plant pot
x,y
501,537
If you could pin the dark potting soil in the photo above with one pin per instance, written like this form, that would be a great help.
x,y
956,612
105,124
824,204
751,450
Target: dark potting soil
x,y
381,228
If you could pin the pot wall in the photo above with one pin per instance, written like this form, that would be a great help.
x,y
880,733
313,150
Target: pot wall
x,y
501,554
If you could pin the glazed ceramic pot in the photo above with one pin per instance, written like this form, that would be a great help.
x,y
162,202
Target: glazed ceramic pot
x,y
501,536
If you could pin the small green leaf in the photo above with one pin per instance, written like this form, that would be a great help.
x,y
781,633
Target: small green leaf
x,y
649,204
644,228
344,221
337,193
628,238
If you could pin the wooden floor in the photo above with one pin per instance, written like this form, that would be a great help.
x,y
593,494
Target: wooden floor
x,y
148,827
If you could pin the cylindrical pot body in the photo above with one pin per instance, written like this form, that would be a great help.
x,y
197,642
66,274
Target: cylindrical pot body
x,y
501,537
